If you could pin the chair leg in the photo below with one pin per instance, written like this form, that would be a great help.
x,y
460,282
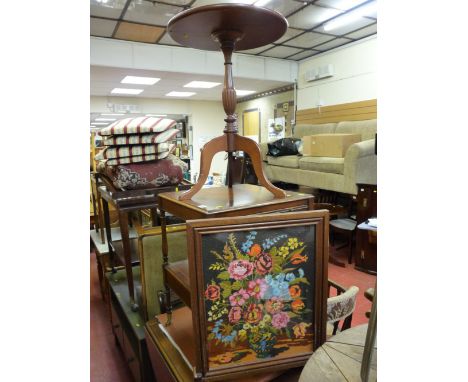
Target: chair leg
x,y
350,253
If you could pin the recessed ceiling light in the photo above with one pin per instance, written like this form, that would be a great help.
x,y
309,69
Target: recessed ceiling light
x,y
244,92
99,123
112,114
155,115
126,91
180,94
139,80
202,84
105,119
351,17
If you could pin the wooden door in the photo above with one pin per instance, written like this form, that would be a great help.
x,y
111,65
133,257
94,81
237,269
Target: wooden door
x,y
251,124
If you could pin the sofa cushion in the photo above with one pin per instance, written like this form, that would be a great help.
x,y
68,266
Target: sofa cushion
x,y
291,161
301,130
322,164
367,128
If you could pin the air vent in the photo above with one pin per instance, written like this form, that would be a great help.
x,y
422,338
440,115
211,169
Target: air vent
x,y
318,73
126,108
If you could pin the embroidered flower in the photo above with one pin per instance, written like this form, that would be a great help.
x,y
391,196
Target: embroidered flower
x,y
298,258
297,305
263,264
257,288
280,320
253,314
295,291
212,292
235,314
300,329
274,305
255,250
240,269
239,298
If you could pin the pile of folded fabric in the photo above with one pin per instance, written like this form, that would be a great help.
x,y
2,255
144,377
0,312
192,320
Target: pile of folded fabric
x,y
138,153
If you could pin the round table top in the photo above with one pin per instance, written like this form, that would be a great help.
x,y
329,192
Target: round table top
x,y
259,26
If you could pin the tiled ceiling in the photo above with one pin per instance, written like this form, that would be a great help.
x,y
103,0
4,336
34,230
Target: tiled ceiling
x,y
308,33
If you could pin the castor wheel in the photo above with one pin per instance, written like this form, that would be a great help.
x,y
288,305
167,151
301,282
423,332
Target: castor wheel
x,y
162,301
134,307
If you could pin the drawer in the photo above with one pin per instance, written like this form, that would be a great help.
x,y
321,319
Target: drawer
x,y
131,359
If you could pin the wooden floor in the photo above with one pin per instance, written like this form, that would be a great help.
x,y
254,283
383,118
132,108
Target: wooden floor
x,y
107,361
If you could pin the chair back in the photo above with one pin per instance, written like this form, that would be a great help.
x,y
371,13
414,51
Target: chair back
x,y
341,308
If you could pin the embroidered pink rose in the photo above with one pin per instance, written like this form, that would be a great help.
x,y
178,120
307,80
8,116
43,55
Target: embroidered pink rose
x,y
274,305
257,288
263,263
212,292
280,320
240,269
239,298
235,314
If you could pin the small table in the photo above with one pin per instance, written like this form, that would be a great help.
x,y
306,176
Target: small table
x,y
125,202
366,248
339,359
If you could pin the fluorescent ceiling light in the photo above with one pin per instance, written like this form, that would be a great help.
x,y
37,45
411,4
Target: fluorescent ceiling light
x,y
261,3
244,92
112,114
105,119
347,4
180,94
99,123
351,17
139,80
156,115
126,91
202,84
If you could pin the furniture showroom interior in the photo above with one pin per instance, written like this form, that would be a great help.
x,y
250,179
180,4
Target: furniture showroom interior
x,y
233,190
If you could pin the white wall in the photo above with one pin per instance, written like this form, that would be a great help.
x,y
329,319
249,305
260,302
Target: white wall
x,y
266,105
206,118
355,77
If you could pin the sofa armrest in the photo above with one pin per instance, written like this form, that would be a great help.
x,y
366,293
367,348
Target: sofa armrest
x,y
264,151
360,164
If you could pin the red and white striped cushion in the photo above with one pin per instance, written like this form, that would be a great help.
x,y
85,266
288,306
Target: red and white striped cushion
x,y
131,151
139,158
138,125
146,139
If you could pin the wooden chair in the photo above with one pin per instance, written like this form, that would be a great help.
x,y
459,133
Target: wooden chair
x,y
340,308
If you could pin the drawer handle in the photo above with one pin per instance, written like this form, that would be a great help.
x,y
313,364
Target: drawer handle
x,y
364,202
362,254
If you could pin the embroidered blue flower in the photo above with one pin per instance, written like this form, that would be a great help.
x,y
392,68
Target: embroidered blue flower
x,y
249,242
290,277
277,287
268,243
301,273
223,338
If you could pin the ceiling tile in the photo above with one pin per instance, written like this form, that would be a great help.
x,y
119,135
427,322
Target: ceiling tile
x,y
311,16
168,40
138,32
102,27
281,52
332,44
290,33
157,14
350,27
341,4
308,40
111,9
364,32
304,54
257,50
284,7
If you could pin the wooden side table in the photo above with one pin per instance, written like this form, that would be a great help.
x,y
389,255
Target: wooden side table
x,y
125,202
